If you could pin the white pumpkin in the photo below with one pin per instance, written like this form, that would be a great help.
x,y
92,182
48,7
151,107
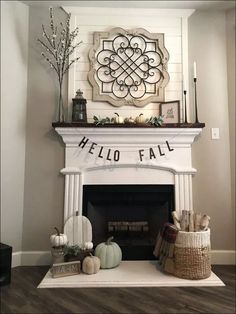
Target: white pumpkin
x,y
129,120
58,239
118,118
88,245
140,118
78,230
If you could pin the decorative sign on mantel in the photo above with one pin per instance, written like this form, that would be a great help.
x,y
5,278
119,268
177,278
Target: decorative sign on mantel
x,y
114,155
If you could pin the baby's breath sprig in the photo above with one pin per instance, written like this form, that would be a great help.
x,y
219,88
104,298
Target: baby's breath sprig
x,y
58,46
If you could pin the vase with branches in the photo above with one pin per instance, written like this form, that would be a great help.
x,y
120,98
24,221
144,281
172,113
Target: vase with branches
x,y
58,43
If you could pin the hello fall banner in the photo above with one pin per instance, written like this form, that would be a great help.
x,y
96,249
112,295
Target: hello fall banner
x,y
114,155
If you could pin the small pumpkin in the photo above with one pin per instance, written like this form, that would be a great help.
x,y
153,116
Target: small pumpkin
x,y
91,265
129,120
140,118
58,239
118,118
88,245
109,253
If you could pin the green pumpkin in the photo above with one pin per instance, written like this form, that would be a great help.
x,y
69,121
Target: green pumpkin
x,y
109,253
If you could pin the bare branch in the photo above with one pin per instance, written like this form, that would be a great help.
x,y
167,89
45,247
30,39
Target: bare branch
x,y
59,45
69,65
47,48
46,35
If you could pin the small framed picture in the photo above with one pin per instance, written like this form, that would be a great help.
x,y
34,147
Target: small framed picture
x,y
170,110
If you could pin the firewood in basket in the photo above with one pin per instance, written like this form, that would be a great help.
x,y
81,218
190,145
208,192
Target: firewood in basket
x,y
204,222
191,220
157,247
184,221
197,219
176,219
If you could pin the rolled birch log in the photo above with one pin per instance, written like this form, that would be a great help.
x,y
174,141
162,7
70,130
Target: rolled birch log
x,y
204,222
191,221
184,221
197,219
176,219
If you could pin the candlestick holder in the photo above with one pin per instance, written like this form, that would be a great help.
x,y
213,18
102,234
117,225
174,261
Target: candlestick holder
x,y
195,99
185,107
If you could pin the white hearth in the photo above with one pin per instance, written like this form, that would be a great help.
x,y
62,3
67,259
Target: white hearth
x,y
112,155
128,274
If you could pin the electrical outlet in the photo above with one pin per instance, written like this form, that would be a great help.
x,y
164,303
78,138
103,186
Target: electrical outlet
x,y
215,133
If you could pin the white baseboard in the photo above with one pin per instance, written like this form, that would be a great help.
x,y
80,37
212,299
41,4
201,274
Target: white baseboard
x,y
223,257
39,258
31,258
16,259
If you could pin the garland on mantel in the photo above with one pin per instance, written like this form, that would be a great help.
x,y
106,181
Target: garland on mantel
x,y
114,155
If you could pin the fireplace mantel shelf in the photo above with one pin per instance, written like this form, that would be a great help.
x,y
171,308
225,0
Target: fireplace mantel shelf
x,y
128,125
128,134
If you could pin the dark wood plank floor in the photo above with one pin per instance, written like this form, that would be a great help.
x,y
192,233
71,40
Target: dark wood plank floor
x,y
22,296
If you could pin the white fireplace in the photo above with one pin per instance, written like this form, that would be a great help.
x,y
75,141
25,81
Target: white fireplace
x,y
112,156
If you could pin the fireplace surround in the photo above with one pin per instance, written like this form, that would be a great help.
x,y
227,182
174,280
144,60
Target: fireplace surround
x,y
85,172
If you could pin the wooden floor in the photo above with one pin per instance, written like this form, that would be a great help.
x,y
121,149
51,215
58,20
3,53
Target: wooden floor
x,y
22,296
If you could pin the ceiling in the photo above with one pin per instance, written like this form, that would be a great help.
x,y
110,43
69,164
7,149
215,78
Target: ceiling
x,y
198,5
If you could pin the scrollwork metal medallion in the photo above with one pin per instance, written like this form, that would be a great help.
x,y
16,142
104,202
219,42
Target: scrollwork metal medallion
x,y
128,67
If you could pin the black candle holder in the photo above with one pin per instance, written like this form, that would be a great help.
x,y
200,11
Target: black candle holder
x,y
195,98
185,107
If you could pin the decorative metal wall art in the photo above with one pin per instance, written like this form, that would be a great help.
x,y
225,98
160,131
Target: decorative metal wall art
x,y
128,67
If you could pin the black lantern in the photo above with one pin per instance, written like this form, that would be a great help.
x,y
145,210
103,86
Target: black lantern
x,y
79,113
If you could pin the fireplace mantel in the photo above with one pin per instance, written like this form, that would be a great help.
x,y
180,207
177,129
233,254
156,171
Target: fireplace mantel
x,y
181,133
145,158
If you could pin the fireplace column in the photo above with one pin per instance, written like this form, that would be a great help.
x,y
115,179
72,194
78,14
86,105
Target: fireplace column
x,y
183,192
73,192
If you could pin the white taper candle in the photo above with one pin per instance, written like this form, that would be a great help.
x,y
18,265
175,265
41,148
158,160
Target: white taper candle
x,y
194,69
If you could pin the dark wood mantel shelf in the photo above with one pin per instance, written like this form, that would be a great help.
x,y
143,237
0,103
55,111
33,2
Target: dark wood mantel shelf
x,y
125,125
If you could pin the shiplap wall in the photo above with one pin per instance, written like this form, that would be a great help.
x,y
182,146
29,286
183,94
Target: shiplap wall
x,y
173,23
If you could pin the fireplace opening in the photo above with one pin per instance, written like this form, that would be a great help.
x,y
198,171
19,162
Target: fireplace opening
x,y
132,214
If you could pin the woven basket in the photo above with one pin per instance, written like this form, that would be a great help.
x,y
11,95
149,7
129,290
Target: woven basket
x,y
192,255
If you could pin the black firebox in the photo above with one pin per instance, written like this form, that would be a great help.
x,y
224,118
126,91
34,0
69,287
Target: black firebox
x,y
133,214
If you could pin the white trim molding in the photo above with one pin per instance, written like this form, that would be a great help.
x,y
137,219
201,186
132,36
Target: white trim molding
x,y
31,258
223,257
40,258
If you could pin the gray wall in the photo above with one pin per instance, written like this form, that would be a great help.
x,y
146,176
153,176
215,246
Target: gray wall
x,y
212,183
14,62
43,205
230,32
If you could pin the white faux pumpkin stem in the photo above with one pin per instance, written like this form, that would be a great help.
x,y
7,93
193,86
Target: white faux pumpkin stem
x,y
141,114
108,242
117,114
58,232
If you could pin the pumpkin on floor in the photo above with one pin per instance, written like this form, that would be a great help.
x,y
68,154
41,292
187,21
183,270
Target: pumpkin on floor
x,y
109,253
91,265
78,230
